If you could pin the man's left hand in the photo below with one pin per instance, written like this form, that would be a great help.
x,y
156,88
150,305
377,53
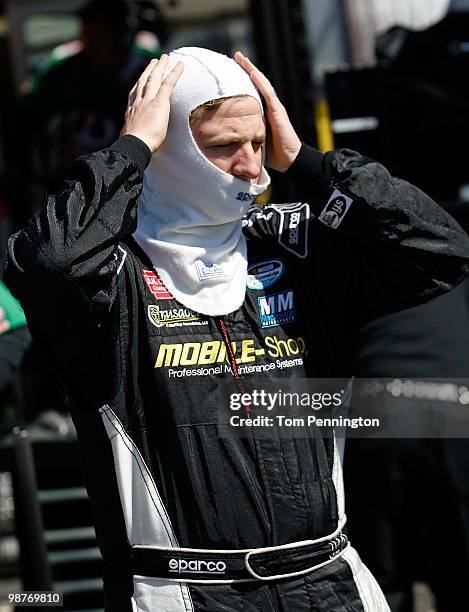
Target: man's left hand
x,y
283,143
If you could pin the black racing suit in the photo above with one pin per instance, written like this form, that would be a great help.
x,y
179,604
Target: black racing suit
x,y
142,370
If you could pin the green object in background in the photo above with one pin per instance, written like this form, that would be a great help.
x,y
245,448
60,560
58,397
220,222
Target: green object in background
x,y
11,313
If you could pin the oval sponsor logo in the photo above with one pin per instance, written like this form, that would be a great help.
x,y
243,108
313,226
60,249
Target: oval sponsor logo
x,y
264,274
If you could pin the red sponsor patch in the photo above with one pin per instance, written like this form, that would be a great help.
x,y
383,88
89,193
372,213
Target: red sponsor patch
x,y
156,286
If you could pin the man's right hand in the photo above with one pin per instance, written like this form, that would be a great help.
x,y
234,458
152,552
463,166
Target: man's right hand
x,y
148,107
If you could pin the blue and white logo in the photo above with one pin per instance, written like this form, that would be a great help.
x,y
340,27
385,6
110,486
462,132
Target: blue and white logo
x,y
336,208
264,274
276,309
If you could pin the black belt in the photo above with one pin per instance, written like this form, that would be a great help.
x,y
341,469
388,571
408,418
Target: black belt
x,y
273,563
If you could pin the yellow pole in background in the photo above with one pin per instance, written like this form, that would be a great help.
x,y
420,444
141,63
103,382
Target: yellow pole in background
x,y
324,132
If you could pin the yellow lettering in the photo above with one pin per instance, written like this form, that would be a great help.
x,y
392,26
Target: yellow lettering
x,y
168,355
293,347
209,352
301,345
247,351
270,343
282,346
214,351
279,348
222,355
190,353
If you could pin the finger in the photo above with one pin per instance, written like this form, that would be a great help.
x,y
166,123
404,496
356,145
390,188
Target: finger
x,y
140,85
245,62
131,98
170,81
155,77
259,79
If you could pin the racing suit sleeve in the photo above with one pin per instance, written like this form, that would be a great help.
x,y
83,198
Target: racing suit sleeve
x,y
405,248
63,267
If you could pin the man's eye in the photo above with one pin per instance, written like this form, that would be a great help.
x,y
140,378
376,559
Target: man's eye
x,y
220,146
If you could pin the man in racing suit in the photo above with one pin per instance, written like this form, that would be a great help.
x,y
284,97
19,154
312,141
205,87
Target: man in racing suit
x,y
178,508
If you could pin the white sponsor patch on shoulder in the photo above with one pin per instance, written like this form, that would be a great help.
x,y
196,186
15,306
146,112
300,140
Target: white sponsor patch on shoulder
x,y
335,210
293,227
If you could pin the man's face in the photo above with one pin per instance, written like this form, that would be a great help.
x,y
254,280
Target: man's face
x,y
231,136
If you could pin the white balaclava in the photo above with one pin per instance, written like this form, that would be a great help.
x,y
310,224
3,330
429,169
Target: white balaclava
x,y
190,211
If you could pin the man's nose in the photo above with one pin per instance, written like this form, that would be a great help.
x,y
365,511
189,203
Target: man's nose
x,y
246,165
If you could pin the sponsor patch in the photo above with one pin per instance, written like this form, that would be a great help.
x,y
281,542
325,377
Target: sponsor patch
x,y
156,286
173,317
211,352
276,309
335,209
293,227
206,271
264,274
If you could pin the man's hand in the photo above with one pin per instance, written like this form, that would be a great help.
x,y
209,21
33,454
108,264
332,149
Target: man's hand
x,y
148,107
283,143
